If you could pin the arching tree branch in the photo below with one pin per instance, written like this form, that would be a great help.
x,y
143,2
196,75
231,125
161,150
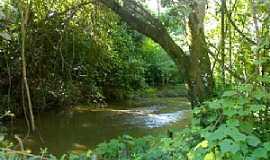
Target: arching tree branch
x,y
142,21
195,67
139,19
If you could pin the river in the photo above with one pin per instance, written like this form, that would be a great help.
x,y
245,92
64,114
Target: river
x,y
79,128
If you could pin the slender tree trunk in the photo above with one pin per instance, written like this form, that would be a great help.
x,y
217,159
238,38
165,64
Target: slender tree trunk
x,y
256,26
223,4
24,17
230,48
24,108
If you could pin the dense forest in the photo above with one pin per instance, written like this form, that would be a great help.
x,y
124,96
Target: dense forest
x,y
214,54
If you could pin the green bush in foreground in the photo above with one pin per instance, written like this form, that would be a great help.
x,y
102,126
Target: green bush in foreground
x,y
234,126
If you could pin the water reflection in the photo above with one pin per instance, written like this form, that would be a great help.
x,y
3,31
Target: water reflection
x,y
81,128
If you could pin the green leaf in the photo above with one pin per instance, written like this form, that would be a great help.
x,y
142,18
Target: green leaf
x,y
237,156
260,153
243,113
251,158
253,141
259,94
243,100
247,88
5,35
229,93
209,156
230,112
199,154
218,134
214,105
265,79
203,144
246,127
257,107
233,122
236,135
259,62
228,145
267,146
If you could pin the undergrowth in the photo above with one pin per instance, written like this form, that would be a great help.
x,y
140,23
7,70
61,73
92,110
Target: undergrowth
x,y
234,126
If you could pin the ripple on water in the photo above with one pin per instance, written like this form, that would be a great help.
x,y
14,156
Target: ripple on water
x,y
152,120
159,120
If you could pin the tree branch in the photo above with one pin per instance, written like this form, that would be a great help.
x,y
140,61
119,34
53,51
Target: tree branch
x,y
236,28
234,74
142,21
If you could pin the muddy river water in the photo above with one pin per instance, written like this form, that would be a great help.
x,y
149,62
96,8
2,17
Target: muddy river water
x,y
83,127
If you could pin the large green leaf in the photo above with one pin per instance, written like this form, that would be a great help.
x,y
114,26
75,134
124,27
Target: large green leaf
x,y
260,153
253,141
218,134
246,127
228,145
267,146
236,134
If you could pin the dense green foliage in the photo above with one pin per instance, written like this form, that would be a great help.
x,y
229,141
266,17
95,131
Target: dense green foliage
x,y
233,126
89,55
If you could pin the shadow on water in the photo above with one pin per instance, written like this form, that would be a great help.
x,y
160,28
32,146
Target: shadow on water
x,y
83,127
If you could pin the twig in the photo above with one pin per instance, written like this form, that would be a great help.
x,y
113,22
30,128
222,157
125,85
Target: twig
x,y
220,118
23,153
20,142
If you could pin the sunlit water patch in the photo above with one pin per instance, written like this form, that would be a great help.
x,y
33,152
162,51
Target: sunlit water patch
x,y
153,120
159,120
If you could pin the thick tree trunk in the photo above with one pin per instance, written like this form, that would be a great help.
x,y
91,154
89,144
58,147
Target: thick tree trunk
x,y
200,78
196,68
